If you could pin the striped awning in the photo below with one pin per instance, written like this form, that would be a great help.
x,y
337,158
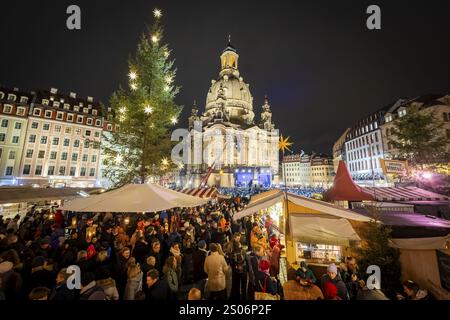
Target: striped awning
x,y
400,194
201,192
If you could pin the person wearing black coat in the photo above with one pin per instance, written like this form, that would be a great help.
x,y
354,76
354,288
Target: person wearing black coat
x,y
205,235
158,289
60,291
141,250
40,276
198,260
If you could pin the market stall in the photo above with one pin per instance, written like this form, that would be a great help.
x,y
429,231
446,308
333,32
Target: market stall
x,y
134,198
315,231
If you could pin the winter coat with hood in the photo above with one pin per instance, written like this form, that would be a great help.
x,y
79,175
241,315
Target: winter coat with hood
x,y
109,288
340,285
133,286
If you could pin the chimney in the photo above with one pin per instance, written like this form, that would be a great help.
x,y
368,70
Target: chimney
x,y
90,99
53,90
73,95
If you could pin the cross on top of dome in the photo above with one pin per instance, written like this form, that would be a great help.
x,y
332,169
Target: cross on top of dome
x,y
229,47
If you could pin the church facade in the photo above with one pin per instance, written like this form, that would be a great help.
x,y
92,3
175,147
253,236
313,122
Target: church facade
x,y
229,148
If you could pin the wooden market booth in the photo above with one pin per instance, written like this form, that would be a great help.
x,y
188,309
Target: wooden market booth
x,y
313,230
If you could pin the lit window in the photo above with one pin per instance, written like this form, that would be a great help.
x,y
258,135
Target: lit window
x,y
51,170
26,169
7,108
20,111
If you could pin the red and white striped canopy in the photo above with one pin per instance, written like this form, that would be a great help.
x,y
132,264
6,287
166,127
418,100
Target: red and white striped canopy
x,y
201,192
404,194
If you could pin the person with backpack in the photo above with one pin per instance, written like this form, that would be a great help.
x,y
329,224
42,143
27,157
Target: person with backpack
x,y
239,268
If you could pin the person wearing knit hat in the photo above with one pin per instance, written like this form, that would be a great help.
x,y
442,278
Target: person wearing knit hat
x,y
334,277
265,283
330,291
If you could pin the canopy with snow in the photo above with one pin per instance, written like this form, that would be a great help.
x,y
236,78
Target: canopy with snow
x,y
134,198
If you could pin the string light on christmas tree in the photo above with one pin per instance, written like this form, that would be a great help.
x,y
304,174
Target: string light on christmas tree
x,y
133,86
148,110
122,110
169,79
164,162
167,88
132,75
174,120
157,13
154,39
152,126
166,53
118,159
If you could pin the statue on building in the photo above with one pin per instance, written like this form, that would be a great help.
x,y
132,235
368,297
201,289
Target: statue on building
x,y
266,116
194,116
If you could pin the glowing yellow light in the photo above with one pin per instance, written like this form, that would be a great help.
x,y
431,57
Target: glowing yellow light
x,y
134,86
152,126
169,79
119,158
154,39
132,75
157,13
122,110
167,88
181,165
148,110
174,120
164,162
166,53
284,144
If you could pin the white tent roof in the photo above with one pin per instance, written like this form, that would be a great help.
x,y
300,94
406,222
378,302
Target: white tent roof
x,y
323,229
134,198
271,197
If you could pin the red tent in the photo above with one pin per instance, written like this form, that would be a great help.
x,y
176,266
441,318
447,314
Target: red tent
x,y
345,189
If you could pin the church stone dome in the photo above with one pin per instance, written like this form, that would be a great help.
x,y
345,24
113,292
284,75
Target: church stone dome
x,y
238,98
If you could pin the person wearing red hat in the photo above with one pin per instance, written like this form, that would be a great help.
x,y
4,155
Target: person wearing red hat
x,y
264,282
330,291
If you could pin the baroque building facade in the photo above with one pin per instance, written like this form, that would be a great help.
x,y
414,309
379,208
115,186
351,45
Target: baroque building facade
x,y
228,148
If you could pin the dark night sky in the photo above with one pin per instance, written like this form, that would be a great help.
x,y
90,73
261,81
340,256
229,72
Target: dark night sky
x,y
321,67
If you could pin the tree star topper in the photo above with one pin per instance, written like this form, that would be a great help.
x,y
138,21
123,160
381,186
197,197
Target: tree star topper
x,y
157,13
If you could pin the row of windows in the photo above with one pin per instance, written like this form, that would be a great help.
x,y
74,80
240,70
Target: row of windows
x,y
54,155
5,124
363,130
13,97
61,171
363,165
8,109
369,139
364,153
401,113
70,117
14,139
66,142
68,130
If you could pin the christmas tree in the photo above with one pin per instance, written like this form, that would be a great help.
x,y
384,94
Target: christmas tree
x,y
144,113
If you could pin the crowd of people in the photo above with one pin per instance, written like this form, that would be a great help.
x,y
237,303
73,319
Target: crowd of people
x,y
178,254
